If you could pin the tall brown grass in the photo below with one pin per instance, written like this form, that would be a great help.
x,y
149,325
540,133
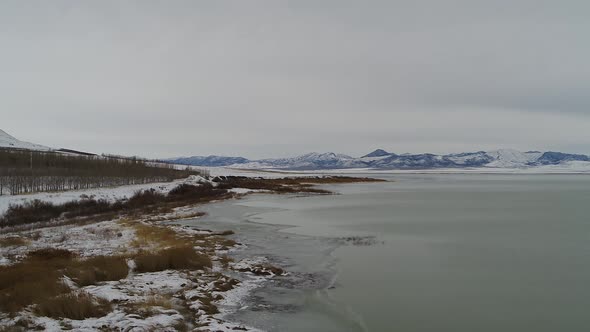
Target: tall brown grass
x,y
73,305
173,258
38,277
96,269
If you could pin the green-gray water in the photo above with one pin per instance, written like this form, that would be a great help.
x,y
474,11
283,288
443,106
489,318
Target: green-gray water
x,y
443,253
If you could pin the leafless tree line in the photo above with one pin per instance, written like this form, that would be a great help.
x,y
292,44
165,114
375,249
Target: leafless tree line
x,y
33,171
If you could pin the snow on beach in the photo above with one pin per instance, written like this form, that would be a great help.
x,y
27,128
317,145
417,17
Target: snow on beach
x,y
111,237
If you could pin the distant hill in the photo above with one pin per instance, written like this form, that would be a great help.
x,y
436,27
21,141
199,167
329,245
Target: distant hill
x,y
8,141
381,159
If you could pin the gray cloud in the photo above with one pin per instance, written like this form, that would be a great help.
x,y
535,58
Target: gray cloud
x,y
266,78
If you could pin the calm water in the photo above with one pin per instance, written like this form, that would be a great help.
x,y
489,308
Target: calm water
x,y
446,253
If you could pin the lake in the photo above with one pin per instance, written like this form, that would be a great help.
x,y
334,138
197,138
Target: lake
x,y
449,252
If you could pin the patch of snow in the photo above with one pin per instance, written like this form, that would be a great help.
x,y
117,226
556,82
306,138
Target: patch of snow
x,y
121,321
247,191
103,238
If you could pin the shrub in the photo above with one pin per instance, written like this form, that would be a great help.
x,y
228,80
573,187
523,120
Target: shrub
x,y
30,212
38,277
144,198
47,254
86,207
25,283
76,306
172,258
152,235
96,269
187,192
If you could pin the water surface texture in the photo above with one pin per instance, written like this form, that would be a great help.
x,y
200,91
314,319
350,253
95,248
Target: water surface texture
x,y
443,253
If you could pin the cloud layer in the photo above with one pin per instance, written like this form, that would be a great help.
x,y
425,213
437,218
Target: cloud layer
x,y
278,78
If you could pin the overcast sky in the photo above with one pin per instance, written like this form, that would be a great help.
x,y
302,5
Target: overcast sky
x,y
282,78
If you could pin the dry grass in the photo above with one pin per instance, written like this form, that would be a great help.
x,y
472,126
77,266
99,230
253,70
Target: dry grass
x,y
159,237
27,283
96,269
13,241
38,277
173,258
49,255
151,306
158,301
76,306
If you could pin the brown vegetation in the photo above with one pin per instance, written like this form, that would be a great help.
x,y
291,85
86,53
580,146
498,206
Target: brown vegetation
x,y
73,306
96,269
13,241
155,236
173,258
38,278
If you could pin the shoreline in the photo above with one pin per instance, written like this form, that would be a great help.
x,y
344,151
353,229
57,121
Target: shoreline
x,y
308,283
81,239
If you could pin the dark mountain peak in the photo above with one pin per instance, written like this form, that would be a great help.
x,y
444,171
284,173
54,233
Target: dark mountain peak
x,y
554,158
377,153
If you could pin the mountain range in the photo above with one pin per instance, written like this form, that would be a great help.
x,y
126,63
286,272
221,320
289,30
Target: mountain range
x,y
381,159
378,159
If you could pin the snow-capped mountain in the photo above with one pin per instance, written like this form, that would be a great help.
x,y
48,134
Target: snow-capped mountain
x,y
209,161
315,160
511,158
8,141
555,158
381,159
